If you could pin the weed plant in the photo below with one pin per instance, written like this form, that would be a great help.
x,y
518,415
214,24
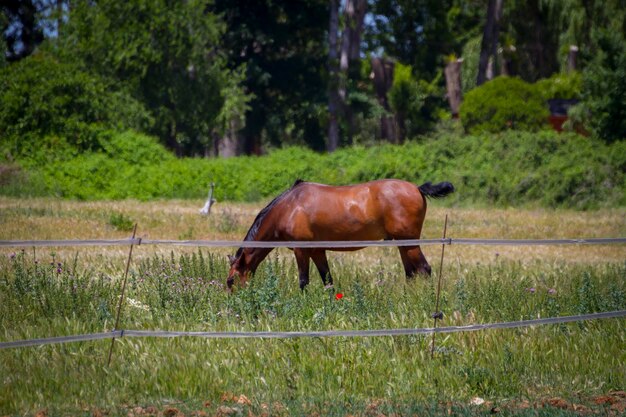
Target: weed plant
x,y
43,296
121,222
38,290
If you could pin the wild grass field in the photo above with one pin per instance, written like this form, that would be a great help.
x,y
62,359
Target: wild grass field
x,y
567,369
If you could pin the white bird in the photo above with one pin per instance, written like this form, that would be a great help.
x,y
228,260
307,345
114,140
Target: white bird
x,y
206,210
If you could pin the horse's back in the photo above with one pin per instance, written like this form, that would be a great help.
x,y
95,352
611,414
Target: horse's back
x,y
373,210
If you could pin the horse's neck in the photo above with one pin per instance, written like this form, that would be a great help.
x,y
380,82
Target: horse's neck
x,y
264,233
254,256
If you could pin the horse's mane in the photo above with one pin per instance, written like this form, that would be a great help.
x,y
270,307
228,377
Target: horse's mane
x,y
254,229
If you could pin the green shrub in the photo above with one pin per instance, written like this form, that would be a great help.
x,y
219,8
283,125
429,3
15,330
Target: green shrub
x,y
121,222
51,107
510,168
133,148
501,104
414,102
470,54
560,85
604,84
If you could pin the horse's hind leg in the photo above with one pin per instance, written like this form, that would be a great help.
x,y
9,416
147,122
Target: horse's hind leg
x,y
302,259
321,262
414,261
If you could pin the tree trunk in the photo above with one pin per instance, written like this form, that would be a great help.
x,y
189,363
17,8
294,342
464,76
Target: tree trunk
x,y
382,72
572,58
333,84
453,85
496,35
227,146
354,15
506,60
489,44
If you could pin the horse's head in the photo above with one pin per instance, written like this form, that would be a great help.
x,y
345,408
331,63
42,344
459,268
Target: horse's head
x,y
239,270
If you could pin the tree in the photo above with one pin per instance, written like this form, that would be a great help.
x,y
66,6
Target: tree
x,y
165,53
414,102
533,28
48,105
604,87
384,76
283,46
537,35
353,18
422,33
489,44
21,29
333,83
25,24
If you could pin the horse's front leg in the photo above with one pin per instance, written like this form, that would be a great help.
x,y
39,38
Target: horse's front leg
x,y
302,259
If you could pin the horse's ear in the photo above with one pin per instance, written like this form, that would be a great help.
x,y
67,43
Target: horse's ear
x,y
231,259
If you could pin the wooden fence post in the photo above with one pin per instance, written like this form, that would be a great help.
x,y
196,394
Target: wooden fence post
x,y
438,314
119,306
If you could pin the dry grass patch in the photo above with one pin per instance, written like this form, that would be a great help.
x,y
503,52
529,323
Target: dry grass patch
x,y
50,219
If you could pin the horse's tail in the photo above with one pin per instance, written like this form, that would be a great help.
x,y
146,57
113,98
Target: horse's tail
x,y
437,190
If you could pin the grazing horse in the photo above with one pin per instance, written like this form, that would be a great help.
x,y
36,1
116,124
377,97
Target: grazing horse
x,y
383,209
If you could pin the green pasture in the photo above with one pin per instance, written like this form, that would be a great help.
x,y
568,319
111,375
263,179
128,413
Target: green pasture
x,y
57,291
43,294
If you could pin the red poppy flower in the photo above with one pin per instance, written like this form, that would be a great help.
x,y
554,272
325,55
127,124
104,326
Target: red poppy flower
x,y
338,296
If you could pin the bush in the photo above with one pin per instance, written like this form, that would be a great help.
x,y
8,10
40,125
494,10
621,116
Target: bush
x,y
604,84
128,165
507,169
470,54
561,86
47,106
501,104
414,102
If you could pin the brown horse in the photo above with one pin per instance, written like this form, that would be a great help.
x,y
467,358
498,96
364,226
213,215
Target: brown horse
x,y
383,209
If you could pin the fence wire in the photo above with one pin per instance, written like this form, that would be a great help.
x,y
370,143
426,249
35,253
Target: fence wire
x,y
313,244
310,334
309,244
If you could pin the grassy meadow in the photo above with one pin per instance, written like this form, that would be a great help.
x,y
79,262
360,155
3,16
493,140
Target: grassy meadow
x,y
550,370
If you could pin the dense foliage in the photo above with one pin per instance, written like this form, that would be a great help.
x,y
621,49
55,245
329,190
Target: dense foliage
x,y
213,77
510,168
604,87
503,103
421,33
414,102
163,53
561,86
281,44
49,106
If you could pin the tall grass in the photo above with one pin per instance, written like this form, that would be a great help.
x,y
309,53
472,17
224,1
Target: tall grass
x,y
64,291
42,297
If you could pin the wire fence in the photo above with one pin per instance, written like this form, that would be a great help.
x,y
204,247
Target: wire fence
x,y
116,333
313,244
